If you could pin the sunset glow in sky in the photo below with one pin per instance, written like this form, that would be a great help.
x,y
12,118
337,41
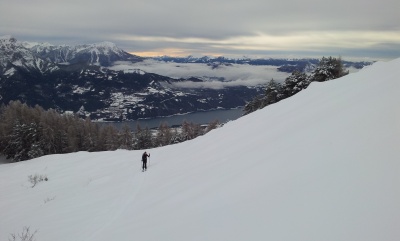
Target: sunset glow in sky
x,y
352,29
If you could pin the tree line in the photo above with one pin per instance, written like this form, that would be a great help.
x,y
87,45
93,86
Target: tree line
x,y
30,132
327,69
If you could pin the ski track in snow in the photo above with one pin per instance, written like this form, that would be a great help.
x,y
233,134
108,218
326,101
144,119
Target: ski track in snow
x,y
138,183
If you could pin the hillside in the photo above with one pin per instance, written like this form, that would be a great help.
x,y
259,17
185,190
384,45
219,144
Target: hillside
x,y
321,165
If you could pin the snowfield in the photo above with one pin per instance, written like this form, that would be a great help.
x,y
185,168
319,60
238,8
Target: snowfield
x,y
323,165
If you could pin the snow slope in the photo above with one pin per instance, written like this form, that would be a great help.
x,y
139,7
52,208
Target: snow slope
x,y
323,165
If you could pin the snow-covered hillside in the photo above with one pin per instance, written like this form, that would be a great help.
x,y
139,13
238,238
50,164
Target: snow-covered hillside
x,y
322,165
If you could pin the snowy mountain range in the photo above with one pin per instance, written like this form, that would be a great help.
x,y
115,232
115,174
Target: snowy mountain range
x,y
44,56
102,54
106,83
320,165
80,79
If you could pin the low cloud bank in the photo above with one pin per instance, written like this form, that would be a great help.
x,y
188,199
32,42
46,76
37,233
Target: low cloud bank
x,y
215,77
220,84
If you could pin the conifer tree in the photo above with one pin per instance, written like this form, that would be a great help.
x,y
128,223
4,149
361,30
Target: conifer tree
x,y
273,93
328,69
22,138
253,105
296,82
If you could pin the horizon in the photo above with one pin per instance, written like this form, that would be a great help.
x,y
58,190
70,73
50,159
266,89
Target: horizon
x,y
177,53
352,55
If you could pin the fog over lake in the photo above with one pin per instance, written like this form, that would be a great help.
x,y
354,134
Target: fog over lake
x,y
200,117
215,77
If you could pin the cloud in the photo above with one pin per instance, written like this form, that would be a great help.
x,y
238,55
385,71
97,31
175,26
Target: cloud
x,y
219,84
221,27
215,78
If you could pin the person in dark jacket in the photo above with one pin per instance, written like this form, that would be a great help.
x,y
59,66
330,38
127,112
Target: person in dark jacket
x,y
144,160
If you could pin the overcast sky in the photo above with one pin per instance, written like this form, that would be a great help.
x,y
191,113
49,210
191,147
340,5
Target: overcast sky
x,y
256,28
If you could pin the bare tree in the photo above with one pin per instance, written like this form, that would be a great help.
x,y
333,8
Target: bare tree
x,y
212,125
25,235
164,135
126,137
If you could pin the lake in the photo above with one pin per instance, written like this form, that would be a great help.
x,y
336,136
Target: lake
x,y
201,117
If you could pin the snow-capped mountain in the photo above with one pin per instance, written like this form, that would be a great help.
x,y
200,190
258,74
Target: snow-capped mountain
x,y
14,55
45,56
102,54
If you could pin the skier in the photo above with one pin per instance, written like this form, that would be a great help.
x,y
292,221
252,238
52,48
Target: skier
x,y
144,160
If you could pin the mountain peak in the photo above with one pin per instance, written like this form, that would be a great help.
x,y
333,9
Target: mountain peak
x,y
30,45
7,39
106,44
